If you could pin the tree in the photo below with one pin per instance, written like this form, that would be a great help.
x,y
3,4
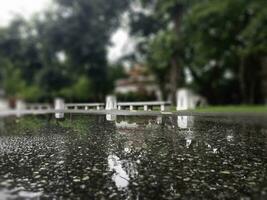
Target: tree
x,y
223,43
82,29
63,48
163,45
160,58
19,59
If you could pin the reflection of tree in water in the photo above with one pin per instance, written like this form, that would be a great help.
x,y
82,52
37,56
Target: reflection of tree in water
x,y
87,159
68,158
146,147
213,166
28,154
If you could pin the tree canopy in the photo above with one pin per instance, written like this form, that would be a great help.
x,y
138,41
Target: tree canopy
x,y
222,44
60,49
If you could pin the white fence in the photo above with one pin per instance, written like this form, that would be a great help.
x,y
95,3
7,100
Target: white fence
x,y
110,104
120,105
145,105
84,106
38,106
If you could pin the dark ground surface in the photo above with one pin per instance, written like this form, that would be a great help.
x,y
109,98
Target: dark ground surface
x,y
168,157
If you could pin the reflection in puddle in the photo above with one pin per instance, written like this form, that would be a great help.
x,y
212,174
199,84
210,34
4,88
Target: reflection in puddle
x,y
6,194
184,122
159,120
230,136
189,138
17,194
125,124
111,118
86,157
120,177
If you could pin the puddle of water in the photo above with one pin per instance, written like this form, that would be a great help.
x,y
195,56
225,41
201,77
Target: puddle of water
x,y
119,157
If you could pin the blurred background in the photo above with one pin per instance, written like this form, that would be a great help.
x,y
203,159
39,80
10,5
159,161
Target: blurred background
x,y
139,50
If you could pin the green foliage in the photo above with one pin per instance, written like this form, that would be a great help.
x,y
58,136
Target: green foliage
x,y
161,51
255,32
33,93
163,45
115,72
51,80
81,90
14,84
222,43
135,97
226,37
233,109
65,48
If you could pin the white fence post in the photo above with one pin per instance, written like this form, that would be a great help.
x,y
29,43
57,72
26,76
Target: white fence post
x,y
162,107
59,105
4,104
111,103
145,108
20,105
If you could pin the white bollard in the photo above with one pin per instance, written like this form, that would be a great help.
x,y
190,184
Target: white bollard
x,y
59,105
185,99
145,108
4,104
20,105
111,103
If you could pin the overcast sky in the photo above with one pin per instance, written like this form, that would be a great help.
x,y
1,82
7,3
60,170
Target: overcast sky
x,y
27,8
9,8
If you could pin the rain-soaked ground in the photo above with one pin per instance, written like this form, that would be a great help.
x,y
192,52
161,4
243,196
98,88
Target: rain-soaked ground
x,y
170,157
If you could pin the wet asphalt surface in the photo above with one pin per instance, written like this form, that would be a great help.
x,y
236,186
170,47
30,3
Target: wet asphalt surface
x,y
165,157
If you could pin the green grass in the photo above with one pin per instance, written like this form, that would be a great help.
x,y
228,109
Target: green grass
x,y
233,109
222,109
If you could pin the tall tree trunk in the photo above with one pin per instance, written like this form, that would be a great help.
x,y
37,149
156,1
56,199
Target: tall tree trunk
x,y
175,74
174,77
251,98
242,81
264,79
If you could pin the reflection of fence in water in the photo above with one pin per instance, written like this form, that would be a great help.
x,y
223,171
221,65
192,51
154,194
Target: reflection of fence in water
x,y
185,122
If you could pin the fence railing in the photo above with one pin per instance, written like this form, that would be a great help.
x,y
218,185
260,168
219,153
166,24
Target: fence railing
x,y
38,106
113,105
84,106
146,105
